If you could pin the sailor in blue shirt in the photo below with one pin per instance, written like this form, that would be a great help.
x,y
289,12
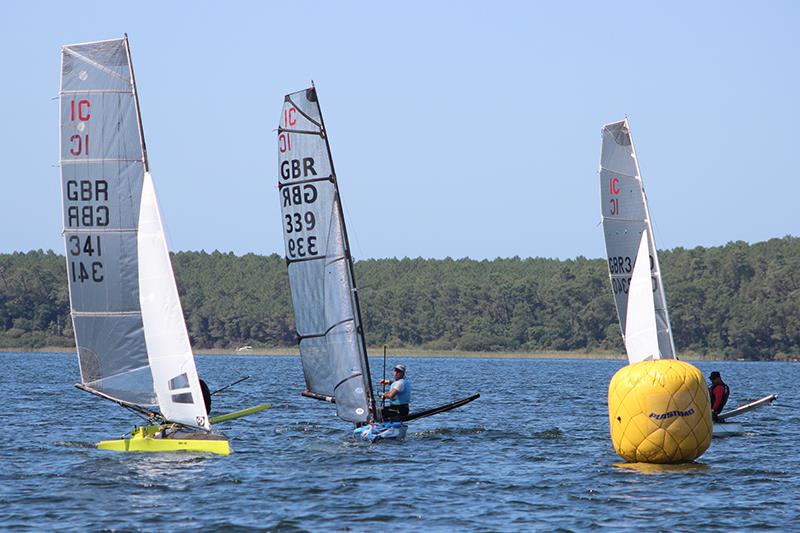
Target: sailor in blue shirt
x,y
399,394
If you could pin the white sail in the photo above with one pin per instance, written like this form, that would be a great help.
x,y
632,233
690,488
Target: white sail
x,y
625,218
129,331
168,349
641,335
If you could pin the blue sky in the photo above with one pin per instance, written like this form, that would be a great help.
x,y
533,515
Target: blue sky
x,y
458,129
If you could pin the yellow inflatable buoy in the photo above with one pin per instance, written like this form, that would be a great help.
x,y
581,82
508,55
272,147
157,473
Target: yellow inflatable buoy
x,y
659,412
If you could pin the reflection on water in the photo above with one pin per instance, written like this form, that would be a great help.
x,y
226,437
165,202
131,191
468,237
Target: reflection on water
x,y
646,468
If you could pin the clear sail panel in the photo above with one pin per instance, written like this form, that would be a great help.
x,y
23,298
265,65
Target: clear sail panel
x,y
101,179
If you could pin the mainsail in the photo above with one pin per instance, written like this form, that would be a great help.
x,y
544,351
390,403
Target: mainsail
x,y
129,330
626,224
326,308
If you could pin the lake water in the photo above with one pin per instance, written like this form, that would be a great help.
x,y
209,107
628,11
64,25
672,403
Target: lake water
x,y
533,453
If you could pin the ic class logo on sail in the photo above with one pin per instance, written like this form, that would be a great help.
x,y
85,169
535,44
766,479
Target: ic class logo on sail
x,y
284,138
79,142
614,190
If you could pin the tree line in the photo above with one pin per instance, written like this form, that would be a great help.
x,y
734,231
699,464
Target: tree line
x,y
738,300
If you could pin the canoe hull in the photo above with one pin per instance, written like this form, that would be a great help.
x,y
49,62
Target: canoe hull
x,y
153,439
728,429
381,431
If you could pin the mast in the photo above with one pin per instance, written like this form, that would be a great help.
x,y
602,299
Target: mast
x,y
136,105
652,240
354,293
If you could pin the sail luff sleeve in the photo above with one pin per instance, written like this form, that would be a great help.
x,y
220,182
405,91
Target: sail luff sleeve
x,y
319,277
101,180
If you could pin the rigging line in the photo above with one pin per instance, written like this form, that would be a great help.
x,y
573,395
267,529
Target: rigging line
x,y
229,386
352,232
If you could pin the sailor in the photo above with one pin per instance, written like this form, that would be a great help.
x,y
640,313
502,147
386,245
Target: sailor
x,y
718,392
206,395
399,394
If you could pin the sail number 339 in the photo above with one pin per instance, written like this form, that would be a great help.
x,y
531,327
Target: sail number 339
x,y
301,246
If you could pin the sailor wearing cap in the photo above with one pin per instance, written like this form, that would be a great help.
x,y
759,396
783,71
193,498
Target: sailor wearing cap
x,y
399,394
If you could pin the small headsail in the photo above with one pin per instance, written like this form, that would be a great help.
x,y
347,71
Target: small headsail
x,y
112,262
625,219
320,272
641,337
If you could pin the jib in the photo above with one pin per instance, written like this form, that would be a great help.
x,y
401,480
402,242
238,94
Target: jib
x,y
292,169
297,195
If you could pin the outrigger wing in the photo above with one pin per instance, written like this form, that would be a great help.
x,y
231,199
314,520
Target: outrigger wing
x,y
742,409
437,410
240,413
324,297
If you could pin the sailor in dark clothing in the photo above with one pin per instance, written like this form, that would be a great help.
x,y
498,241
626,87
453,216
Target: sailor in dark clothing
x,y
718,393
206,395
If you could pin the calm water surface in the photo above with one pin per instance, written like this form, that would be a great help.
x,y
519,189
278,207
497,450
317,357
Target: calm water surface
x,y
532,454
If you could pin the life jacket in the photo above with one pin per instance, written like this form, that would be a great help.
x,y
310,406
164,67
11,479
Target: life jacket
x,y
726,391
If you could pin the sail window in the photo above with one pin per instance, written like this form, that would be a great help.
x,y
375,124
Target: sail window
x,y
179,382
185,397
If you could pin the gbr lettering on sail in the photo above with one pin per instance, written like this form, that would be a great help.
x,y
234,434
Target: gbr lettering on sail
x,y
299,193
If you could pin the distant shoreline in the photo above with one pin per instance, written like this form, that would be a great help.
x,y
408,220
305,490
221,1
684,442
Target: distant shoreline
x,y
377,352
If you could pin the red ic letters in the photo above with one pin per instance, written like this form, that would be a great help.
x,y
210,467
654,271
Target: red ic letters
x,y
613,186
80,145
82,110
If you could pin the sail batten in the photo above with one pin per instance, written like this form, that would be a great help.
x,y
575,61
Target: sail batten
x,y
627,224
107,196
327,316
